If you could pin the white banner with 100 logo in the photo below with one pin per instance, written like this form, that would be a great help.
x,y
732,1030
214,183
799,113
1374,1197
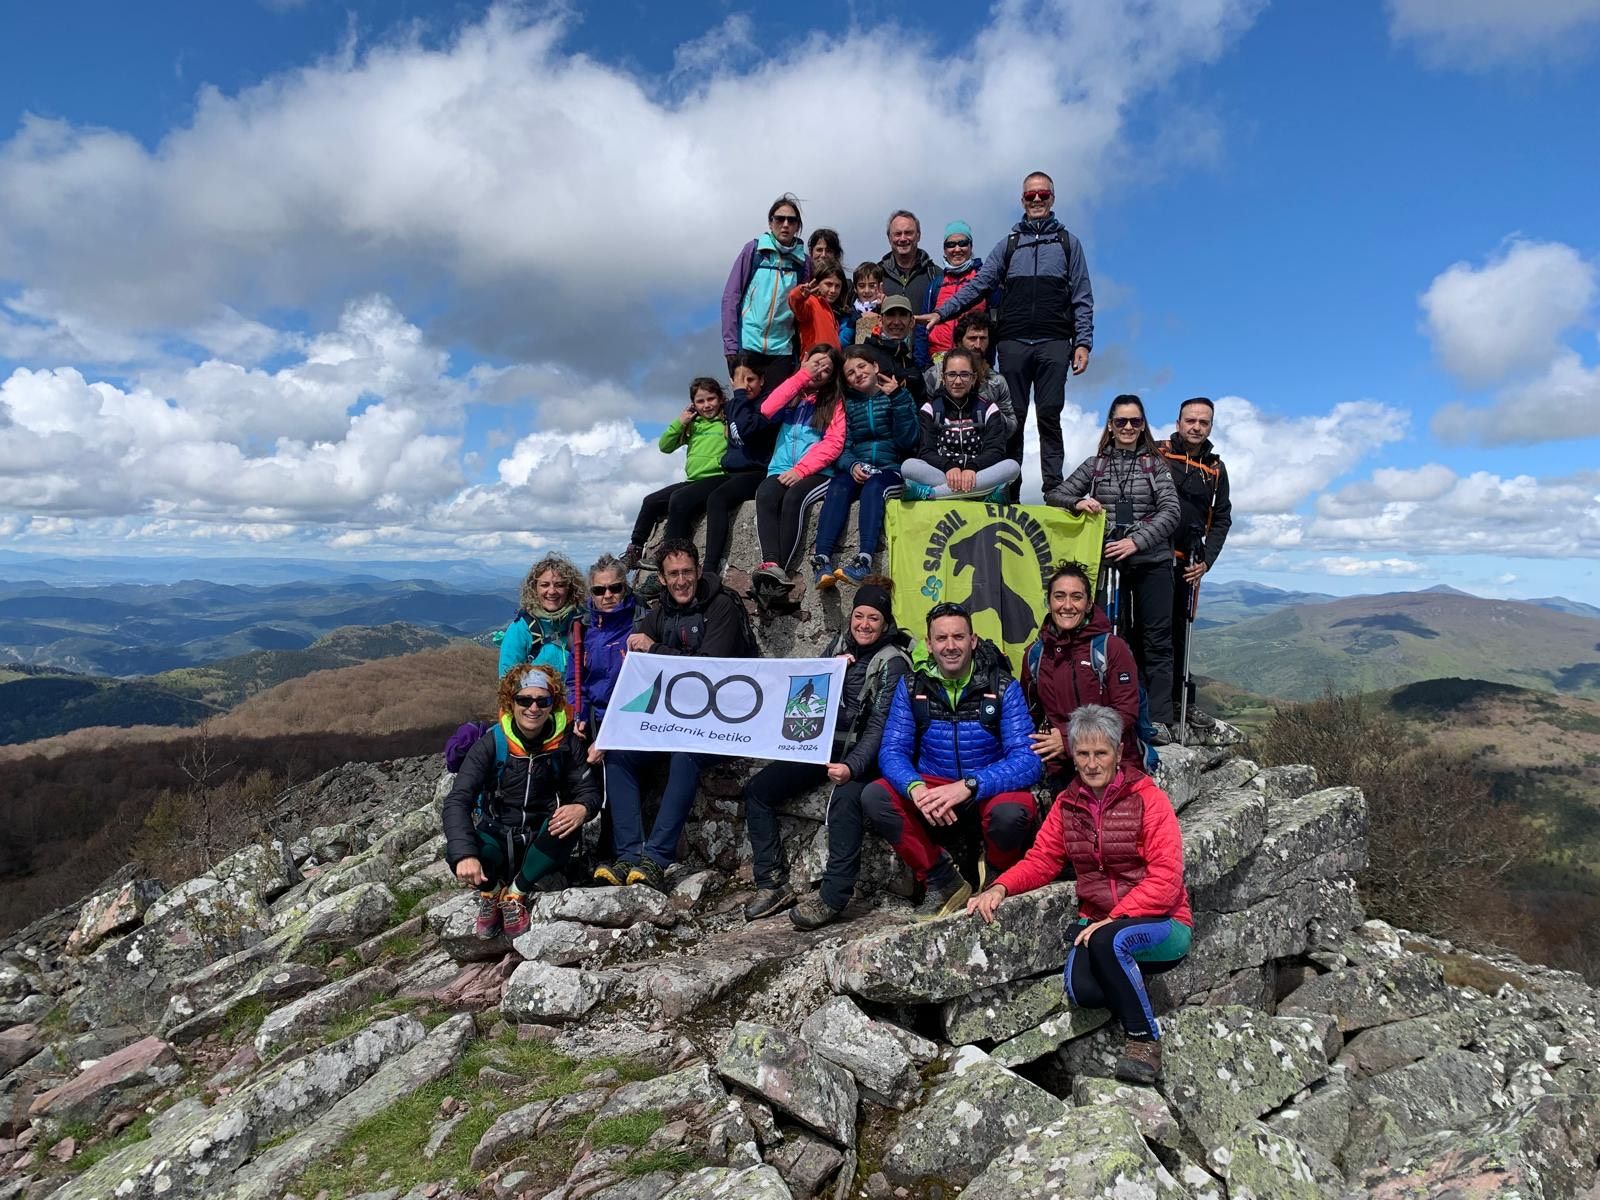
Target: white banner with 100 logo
x,y
745,707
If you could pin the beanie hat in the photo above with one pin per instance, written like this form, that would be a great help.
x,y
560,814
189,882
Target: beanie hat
x,y
960,227
870,595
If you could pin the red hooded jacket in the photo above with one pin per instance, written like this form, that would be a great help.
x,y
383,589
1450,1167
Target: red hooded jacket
x,y
1126,849
1066,681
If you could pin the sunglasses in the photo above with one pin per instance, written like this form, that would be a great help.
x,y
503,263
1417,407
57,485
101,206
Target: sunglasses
x,y
544,701
958,244
946,609
782,219
607,589
1127,422
1036,197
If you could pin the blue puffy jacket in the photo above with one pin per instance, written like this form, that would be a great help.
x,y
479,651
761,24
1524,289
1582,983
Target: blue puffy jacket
x,y
879,430
956,742
595,660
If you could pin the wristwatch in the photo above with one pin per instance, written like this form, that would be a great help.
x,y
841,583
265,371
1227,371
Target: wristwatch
x,y
971,782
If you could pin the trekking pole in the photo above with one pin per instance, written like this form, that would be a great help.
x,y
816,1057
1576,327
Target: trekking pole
x,y
1186,691
1113,575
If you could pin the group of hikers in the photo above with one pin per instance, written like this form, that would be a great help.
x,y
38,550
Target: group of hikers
x,y
942,744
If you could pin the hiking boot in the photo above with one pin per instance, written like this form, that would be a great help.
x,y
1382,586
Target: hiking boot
x,y
614,874
487,925
769,902
943,901
859,568
912,490
632,557
1160,735
770,574
514,917
1140,1062
814,912
822,573
648,872
647,584
1200,719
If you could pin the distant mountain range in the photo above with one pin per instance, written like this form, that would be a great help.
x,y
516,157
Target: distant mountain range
x,y
258,571
38,702
1368,643
124,630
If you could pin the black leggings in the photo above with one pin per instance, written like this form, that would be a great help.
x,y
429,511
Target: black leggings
x,y
686,504
781,516
722,505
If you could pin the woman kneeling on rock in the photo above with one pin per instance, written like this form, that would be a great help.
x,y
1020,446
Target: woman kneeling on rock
x,y
1118,830
519,801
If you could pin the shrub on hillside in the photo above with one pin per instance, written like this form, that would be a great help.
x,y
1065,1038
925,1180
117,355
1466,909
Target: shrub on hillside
x,y
1442,849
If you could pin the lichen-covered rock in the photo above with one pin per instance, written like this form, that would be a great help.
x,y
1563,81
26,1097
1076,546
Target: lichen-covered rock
x,y
973,1111
1287,782
1220,830
732,1183
1446,1090
195,1156
1092,1154
314,1010
1003,1011
273,986
1053,1031
1259,1164
883,1058
1148,1108
1224,1067
613,907
268,870
127,981
1278,926
787,1073
1178,774
1319,1122
120,1080
1386,1047
539,992
930,961
562,943
1230,775
1320,835
407,834
111,913
1542,1150
342,920
451,922
508,1129
669,1094
1377,994
330,881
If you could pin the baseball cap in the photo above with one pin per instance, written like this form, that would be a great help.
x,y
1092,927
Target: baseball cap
x,y
891,303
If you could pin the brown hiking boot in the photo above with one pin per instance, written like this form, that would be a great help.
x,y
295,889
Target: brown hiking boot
x,y
1140,1062
814,912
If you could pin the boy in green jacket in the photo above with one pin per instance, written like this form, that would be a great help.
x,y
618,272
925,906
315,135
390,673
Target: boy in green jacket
x,y
704,429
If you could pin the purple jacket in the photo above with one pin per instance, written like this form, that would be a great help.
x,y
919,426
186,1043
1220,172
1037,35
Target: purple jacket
x,y
733,293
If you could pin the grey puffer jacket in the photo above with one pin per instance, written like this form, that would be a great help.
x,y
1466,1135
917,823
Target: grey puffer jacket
x,y
1137,476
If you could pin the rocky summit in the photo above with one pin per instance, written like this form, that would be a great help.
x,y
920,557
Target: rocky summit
x,y
313,1018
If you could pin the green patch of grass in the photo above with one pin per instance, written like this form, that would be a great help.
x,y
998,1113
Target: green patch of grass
x,y
406,901
399,945
358,1019
244,1020
79,1131
89,1155
633,1129
659,1160
54,1022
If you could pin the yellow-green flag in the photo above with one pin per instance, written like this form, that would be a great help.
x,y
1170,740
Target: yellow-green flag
x,y
992,559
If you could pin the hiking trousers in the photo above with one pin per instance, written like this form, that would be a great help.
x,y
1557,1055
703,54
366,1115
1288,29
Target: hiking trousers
x,y
1109,970
721,506
781,516
780,781
842,492
625,798
506,858
1007,819
1146,594
1039,368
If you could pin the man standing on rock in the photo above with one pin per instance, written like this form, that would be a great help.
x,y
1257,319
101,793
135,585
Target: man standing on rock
x,y
699,618
955,746
1201,478
1046,317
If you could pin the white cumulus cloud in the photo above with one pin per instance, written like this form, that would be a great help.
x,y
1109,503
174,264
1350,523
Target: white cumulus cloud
x,y
1483,33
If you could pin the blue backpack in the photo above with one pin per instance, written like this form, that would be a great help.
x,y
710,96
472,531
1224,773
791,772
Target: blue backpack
x,y
1097,661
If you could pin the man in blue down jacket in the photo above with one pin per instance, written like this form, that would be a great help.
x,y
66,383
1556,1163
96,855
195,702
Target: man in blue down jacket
x,y
1045,317
955,745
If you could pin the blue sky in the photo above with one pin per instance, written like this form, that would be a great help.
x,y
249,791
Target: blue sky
x,y
406,279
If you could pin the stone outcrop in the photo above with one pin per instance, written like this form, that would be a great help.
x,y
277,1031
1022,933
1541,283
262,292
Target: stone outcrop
x,y
191,1040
